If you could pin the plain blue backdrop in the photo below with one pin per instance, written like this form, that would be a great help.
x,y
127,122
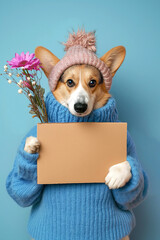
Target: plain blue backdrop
x,y
136,86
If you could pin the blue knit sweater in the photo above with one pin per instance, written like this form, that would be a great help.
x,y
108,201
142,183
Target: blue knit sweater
x,y
76,211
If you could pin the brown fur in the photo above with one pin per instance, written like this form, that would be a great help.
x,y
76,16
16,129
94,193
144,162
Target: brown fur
x,y
62,92
113,58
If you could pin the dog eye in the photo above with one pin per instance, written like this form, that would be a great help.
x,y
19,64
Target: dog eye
x,y
70,83
92,83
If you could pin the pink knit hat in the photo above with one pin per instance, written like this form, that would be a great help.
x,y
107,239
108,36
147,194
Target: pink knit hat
x,y
80,49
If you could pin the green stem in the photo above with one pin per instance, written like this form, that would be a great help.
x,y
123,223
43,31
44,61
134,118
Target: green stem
x,y
36,94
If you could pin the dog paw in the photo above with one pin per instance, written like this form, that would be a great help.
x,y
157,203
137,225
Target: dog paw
x,y
118,175
32,145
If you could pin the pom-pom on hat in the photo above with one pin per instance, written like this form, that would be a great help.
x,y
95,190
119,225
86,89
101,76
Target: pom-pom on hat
x,y
80,49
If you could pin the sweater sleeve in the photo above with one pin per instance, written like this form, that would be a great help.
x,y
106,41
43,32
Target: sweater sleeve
x,y
21,183
134,192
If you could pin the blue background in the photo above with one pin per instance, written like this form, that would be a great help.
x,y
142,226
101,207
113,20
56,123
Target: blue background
x,y
136,86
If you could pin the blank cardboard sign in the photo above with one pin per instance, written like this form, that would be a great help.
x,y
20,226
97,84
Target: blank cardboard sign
x,y
79,152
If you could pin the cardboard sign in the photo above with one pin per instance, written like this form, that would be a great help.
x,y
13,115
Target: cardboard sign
x,y
79,152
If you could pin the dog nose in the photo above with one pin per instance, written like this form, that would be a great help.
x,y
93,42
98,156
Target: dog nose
x,y
80,107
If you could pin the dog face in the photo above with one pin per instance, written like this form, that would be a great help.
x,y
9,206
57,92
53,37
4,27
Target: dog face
x,y
81,87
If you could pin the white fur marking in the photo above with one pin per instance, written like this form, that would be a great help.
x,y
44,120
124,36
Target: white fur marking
x,y
32,145
118,175
80,95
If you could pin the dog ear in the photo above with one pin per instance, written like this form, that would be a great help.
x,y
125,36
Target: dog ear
x,y
47,59
114,58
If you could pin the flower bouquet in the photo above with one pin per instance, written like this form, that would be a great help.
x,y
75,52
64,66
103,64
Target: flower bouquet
x,y
24,70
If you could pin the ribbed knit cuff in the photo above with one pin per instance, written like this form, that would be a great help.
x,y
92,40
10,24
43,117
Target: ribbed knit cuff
x,y
27,165
128,194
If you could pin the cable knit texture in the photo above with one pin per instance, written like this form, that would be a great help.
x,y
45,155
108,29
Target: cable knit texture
x,y
76,211
81,48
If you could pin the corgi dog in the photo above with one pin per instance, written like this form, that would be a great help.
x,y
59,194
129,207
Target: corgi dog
x,y
81,89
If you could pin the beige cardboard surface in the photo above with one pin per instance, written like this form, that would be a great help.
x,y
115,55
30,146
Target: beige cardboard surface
x,y
79,152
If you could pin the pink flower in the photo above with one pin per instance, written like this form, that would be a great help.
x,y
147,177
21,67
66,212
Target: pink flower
x,y
28,61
